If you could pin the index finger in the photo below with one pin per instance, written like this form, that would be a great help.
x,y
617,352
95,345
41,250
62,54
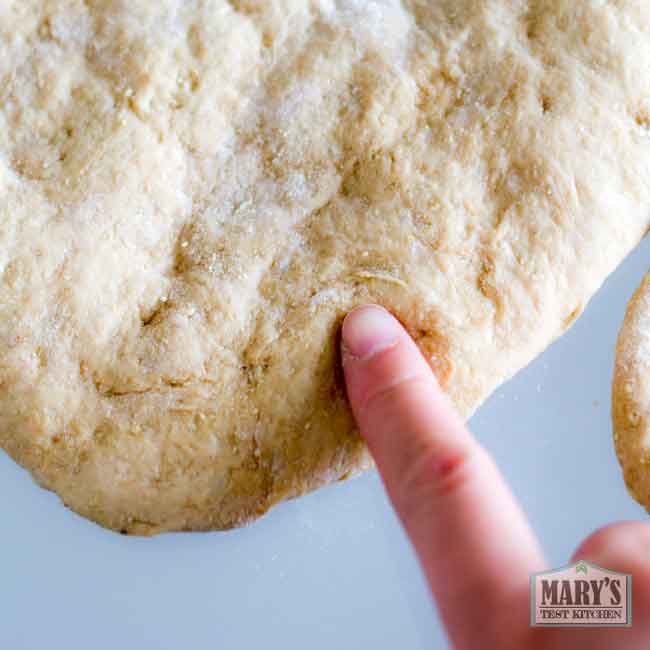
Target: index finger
x,y
472,539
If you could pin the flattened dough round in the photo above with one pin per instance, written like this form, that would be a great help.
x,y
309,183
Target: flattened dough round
x,y
194,193
631,395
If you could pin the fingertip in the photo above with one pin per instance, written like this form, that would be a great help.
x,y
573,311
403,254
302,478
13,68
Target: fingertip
x,y
367,330
377,354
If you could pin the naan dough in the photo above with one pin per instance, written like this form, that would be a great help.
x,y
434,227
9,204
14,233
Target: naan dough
x,y
631,395
194,193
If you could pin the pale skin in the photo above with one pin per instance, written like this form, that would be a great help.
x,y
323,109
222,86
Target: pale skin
x,y
474,543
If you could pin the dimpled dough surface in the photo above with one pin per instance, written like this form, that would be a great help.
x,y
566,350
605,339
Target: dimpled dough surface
x,y
194,193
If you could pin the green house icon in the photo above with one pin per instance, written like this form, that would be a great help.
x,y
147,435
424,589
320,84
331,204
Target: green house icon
x,y
581,567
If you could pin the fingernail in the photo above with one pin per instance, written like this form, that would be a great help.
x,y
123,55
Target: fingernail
x,y
369,330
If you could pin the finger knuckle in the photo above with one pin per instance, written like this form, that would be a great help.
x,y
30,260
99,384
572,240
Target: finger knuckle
x,y
396,395
433,476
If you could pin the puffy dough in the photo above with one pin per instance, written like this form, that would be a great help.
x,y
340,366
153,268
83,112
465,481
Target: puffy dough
x,y
631,395
194,193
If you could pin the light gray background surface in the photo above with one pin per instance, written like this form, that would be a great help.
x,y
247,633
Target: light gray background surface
x,y
331,570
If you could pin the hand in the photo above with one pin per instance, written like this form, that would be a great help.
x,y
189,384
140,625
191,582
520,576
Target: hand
x,y
474,543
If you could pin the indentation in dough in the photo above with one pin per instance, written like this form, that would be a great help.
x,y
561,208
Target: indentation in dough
x,y
435,348
152,315
545,102
44,30
486,285
643,119
572,317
